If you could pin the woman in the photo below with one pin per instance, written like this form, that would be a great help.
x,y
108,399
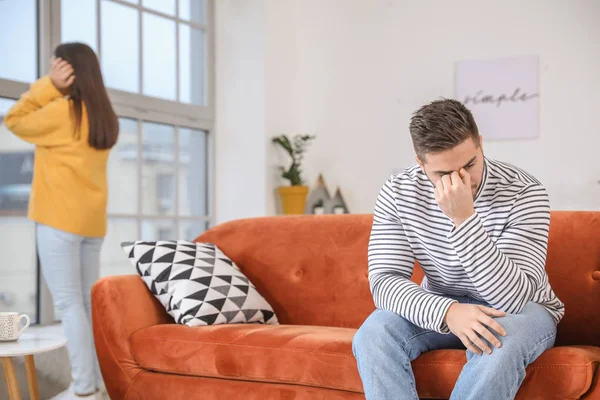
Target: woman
x,y
69,118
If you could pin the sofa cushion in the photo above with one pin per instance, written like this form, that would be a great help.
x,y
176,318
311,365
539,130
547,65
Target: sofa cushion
x,y
563,372
322,357
306,355
197,283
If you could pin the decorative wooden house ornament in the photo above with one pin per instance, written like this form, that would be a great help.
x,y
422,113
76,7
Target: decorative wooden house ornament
x,y
320,201
338,205
317,198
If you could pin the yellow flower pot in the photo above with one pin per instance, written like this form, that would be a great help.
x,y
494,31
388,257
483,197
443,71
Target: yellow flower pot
x,y
293,199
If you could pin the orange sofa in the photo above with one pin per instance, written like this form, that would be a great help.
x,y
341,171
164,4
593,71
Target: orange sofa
x,y
313,271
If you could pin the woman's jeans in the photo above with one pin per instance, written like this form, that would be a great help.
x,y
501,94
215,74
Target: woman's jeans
x,y
71,265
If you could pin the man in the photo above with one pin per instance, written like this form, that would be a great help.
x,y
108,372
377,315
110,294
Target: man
x,y
479,229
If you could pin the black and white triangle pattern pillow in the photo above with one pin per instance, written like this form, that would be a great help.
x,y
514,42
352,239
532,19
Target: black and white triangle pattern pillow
x,y
198,284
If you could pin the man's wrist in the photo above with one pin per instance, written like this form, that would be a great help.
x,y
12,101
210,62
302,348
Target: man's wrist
x,y
448,312
459,221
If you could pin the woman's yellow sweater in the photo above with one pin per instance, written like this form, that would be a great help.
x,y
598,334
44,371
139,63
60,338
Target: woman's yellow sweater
x,y
69,189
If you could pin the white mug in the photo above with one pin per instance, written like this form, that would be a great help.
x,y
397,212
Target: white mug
x,y
10,325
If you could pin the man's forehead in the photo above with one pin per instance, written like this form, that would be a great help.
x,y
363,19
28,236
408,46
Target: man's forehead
x,y
449,163
455,157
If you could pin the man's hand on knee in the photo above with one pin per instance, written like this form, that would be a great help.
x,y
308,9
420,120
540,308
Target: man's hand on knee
x,y
466,321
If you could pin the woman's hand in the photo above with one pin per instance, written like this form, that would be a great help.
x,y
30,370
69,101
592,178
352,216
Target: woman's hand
x,y
61,74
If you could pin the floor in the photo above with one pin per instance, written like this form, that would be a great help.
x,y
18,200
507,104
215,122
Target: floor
x,y
53,370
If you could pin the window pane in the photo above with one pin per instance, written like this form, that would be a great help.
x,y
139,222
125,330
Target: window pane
x,y
192,65
78,22
192,10
16,167
8,141
119,46
5,105
164,6
190,230
113,260
158,229
122,170
193,174
159,57
158,169
16,174
18,41
18,276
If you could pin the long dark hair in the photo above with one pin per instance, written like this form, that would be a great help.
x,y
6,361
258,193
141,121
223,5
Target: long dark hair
x,y
88,88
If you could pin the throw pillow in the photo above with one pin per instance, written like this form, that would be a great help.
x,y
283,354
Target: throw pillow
x,y
197,283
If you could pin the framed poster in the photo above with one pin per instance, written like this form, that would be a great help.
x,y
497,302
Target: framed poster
x,y
503,95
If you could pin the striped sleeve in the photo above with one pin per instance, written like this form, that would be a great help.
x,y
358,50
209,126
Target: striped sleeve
x,y
391,263
509,272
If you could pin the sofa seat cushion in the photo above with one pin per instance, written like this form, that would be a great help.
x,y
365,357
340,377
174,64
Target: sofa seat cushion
x,y
564,372
322,357
306,355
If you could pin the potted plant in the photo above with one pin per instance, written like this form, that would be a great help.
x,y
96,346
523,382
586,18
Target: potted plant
x,y
293,197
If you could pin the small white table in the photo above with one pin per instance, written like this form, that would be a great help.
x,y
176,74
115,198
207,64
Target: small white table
x,y
29,343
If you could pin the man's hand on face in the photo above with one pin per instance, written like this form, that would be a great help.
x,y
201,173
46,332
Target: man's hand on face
x,y
454,196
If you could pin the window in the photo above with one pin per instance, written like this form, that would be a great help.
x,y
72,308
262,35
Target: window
x,y
165,233
158,163
120,43
165,192
18,270
18,41
168,166
157,48
79,22
193,173
157,60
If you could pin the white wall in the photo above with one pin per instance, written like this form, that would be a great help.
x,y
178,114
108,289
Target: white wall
x,y
280,88
240,150
352,72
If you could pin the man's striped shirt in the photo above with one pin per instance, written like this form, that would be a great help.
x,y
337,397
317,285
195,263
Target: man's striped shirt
x,y
497,255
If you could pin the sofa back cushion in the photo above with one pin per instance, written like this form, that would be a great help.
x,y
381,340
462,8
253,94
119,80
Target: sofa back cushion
x,y
313,269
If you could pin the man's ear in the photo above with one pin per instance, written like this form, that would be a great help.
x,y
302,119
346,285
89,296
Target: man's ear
x,y
421,163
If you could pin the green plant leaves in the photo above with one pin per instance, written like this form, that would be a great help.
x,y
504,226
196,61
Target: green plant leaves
x,y
295,148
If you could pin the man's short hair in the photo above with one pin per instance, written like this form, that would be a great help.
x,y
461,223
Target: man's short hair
x,y
441,125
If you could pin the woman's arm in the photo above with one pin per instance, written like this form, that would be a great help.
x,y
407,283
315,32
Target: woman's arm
x,y
42,116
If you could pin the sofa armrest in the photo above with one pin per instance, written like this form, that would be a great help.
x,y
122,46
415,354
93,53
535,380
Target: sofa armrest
x,y
121,305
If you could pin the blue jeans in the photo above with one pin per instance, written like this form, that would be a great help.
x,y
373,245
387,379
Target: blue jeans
x,y
71,265
386,343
